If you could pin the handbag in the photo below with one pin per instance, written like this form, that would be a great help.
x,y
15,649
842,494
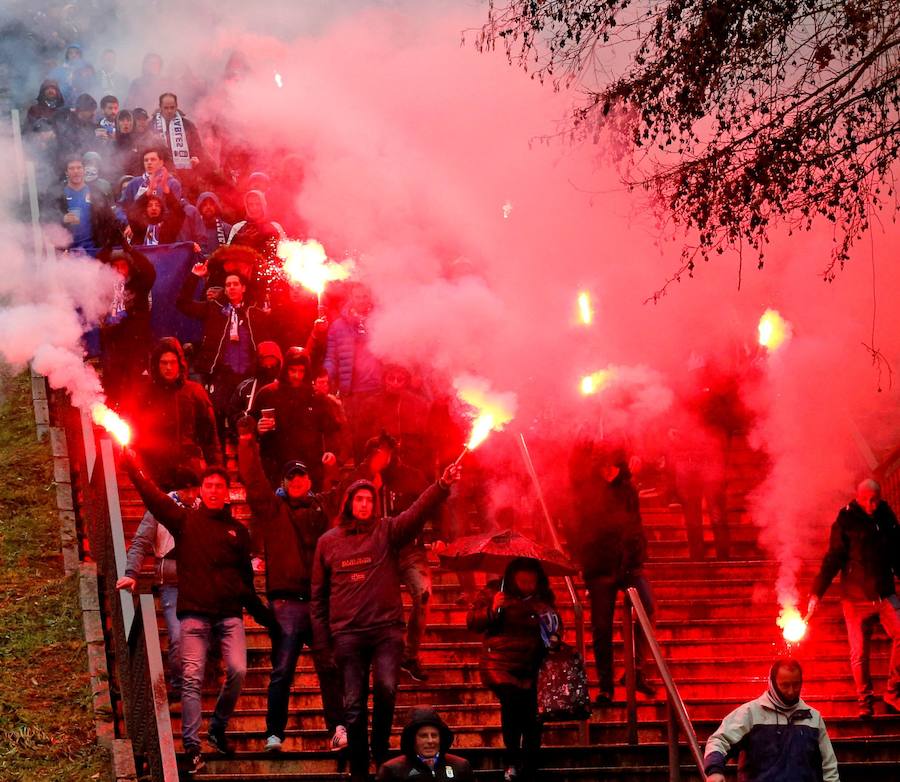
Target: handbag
x,y
562,686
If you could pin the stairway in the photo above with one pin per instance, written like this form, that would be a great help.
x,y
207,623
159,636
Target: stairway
x,y
716,626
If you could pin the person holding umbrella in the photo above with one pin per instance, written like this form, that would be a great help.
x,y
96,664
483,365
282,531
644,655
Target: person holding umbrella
x,y
518,618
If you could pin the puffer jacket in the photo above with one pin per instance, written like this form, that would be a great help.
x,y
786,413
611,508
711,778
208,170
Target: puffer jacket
x,y
865,550
349,362
773,745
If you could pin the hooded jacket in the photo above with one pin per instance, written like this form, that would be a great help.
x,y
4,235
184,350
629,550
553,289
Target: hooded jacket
x,y
350,363
174,422
356,569
773,744
865,550
410,766
45,107
288,530
215,317
608,531
168,224
214,235
305,423
258,234
513,646
128,328
215,576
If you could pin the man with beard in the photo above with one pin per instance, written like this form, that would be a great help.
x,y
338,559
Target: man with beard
x,y
173,419
214,231
48,105
777,736
294,422
289,522
269,361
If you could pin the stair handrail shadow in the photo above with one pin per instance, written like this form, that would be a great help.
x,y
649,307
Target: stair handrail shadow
x,y
676,712
577,608
132,631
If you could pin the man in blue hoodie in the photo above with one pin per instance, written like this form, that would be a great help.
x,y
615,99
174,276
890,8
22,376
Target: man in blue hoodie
x,y
212,231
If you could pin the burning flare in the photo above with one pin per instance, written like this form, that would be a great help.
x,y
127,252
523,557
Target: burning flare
x,y
595,382
494,410
585,310
112,422
793,626
279,81
773,330
307,263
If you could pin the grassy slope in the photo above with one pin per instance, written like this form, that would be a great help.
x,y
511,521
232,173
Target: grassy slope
x,y
46,727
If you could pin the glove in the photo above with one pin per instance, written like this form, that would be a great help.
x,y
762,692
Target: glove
x,y
246,426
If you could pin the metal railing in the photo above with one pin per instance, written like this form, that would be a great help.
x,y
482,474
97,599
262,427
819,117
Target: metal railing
x,y
676,713
132,631
577,608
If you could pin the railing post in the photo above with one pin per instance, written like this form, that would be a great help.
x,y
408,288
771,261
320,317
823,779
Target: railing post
x,y
628,655
674,760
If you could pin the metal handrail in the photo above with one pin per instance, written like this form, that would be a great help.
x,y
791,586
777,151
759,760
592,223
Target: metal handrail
x,y
577,608
133,624
677,713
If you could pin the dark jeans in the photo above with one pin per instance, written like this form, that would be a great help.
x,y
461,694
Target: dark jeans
x,y
380,651
521,728
603,593
293,619
197,634
415,573
692,487
168,598
861,617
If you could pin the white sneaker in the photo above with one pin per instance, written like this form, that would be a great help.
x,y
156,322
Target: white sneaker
x,y
273,744
339,739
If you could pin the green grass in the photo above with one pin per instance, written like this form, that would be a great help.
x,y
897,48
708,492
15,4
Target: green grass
x,y
46,723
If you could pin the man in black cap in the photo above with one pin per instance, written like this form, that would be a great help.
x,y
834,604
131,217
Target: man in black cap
x,y
286,526
425,744
356,608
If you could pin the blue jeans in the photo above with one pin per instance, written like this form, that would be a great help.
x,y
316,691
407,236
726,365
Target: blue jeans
x,y
379,650
197,634
861,617
603,593
168,598
293,620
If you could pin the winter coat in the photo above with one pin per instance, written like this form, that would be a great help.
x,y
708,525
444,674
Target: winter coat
x,y
608,536
174,422
168,228
305,426
129,330
194,142
865,550
773,746
513,647
130,193
210,235
403,415
289,531
410,766
45,108
151,536
215,576
215,317
356,570
349,362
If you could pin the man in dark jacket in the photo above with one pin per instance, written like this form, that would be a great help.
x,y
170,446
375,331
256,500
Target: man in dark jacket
x,y
776,736
231,333
214,231
49,104
181,140
289,523
125,337
269,361
612,548
156,218
173,420
865,549
356,608
294,422
215,584
425,746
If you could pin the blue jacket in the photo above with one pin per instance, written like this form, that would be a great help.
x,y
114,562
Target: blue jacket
x,y
210,235
349,362
129,195
774,745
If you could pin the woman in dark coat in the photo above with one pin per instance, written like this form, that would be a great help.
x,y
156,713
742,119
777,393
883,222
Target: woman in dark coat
x,y
519,620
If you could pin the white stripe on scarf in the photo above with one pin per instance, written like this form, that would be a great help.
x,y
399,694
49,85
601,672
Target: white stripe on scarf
x,y
176,137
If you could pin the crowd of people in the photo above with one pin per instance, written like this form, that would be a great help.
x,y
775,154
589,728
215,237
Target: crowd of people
x,y
344,460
